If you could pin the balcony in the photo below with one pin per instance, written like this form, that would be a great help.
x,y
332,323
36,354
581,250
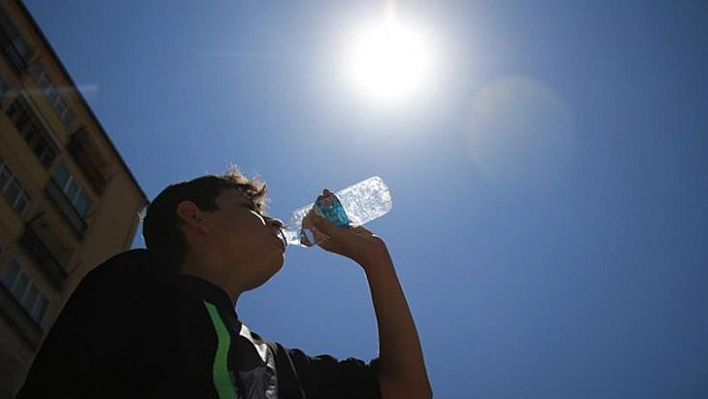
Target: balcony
x,y
12,53
45,258
33,131
54,193
88,159
19,318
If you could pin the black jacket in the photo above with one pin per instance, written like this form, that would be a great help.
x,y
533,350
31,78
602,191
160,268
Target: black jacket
x,y
133,330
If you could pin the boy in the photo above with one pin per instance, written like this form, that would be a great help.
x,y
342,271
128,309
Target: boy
x,y
161,322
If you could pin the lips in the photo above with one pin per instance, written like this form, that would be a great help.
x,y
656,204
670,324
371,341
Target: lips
x,y
281,240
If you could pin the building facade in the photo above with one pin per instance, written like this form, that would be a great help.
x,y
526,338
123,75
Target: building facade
x,y
68,201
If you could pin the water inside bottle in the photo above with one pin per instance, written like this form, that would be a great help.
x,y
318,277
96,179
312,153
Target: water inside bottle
x,y
331,208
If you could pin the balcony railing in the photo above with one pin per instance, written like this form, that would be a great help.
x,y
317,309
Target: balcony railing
x,y
19,318
49,264
13,55
57,196
88,161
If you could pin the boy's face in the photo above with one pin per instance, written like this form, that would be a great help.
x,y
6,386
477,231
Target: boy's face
x,y
245,239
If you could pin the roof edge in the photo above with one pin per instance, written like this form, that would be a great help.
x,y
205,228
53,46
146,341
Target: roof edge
x,y
82,100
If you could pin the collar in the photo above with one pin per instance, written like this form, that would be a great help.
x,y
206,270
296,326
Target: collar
x,y
198,287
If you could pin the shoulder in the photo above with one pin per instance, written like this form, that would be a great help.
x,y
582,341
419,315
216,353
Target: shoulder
x,y
132,263
129,274
110,332
125,290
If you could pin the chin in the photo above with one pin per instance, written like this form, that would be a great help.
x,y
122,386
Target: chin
x,y
272,269
277,266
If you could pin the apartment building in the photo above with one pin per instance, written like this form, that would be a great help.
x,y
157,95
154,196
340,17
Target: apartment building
x,y
68,200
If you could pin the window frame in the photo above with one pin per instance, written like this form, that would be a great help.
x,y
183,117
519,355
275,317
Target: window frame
x,y
33,132
37,307
52,94
72,183
4,87
22,194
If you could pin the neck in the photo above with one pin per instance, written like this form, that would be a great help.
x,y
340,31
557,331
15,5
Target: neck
x,y
211,271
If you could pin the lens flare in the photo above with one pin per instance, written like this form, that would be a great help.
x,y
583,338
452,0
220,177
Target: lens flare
x,y
520,133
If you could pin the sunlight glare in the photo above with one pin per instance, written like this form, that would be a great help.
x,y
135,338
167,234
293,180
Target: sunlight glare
x,y
389,61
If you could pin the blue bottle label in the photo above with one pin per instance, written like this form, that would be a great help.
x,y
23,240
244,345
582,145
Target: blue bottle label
x,y
331,208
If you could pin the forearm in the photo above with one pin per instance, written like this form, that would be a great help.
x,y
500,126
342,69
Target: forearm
x,y
403,373
402,369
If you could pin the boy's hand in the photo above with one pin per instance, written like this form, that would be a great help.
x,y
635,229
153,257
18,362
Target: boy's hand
x,y
356,243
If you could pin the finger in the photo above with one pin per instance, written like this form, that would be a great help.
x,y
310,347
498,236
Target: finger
x,y
305,240
320,223
323,196
319,236
325,226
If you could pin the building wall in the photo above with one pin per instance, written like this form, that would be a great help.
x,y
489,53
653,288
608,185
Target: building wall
x,y
49,244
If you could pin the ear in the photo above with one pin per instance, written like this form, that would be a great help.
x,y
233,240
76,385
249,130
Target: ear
x,y
192,216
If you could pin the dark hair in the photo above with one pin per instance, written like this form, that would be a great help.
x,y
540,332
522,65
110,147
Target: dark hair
x,y
161,226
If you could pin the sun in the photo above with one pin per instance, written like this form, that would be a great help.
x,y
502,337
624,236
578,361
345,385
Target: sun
x,y
389,61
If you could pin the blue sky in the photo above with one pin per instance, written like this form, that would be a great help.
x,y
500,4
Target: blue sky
x,y
550,191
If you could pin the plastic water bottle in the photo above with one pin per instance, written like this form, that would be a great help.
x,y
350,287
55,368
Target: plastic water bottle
x,y
355,205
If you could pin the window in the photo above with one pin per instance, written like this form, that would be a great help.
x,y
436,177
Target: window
x,y
61,175
25,291
5,175
32,132
10,30
12,190
89,159
18,290
82,204
30,298
52,94
40,309
8,279
12,44
73,191
67,117
3,88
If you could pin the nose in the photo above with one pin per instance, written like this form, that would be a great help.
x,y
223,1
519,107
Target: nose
x,y
273,222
